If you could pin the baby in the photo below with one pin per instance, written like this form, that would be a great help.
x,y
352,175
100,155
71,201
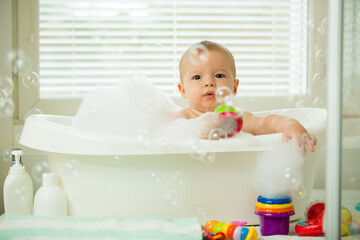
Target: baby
x,y
206,69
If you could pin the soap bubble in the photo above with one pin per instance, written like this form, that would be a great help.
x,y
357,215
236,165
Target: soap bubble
x,y
200,213
319,80
38,169
198,54
311,24
298,192
21,194
7,109
6,155
3,96
144,138
319,102
170,198
218,134
7,85
177,177
31,80
147,105
208,157
196,150
300,104
18,62
322,28
18,137
155,178
72,168
320,56
222,94
32,111
292,177
167,145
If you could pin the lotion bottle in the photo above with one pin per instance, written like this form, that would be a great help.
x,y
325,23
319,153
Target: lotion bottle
x,y
50,199
18,188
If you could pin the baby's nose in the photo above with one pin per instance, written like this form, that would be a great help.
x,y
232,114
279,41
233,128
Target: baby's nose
x,y
209,82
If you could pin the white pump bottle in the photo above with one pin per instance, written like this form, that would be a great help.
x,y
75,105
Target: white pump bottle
x,y
18,188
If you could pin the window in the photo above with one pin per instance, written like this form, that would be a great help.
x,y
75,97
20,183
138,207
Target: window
x,y
83,44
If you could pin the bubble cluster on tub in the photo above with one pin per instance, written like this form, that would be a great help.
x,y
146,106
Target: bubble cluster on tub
x,y
278,172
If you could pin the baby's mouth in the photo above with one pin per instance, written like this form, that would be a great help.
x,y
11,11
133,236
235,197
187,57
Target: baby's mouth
x,y
209,95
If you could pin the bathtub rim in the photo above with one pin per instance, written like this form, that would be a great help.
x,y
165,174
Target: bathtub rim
x,y
34,136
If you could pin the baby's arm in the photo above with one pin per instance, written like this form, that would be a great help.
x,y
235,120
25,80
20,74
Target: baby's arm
x,y
290,128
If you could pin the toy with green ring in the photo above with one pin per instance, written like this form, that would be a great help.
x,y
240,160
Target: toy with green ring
x,y
231,120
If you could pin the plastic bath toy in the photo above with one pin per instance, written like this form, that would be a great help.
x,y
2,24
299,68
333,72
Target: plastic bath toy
x,y
235,231
274,215
314,225
232,120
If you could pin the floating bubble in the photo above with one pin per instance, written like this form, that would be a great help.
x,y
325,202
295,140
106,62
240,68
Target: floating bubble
x,y
298,192
218,134
155,177
323,26
300,104
177,176
72,168
18,62
198,54
18,137
320,56
7,85
171,199
6,155
167,145
319,102
21,194
196,150
32,111
292,177
38,169
311,24
144,138
200,213
31,80
7,109
3,96
222,94
208,157
319,80
147,105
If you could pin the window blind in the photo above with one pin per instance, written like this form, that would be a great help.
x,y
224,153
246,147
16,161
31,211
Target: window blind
x,y
351,53
84,44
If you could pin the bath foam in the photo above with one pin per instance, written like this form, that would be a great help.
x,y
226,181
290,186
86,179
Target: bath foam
x,y
278,171
127,109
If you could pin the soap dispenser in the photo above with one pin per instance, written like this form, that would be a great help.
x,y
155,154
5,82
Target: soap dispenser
x,y
18,188
50,199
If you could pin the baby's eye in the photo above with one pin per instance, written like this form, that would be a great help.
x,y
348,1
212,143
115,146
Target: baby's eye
x,y
219,75
196,77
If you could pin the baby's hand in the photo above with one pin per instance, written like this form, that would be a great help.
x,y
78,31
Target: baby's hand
x,y
301,137
208,122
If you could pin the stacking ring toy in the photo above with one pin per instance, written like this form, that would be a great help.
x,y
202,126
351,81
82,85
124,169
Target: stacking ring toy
x,y
285,210
357,207
273,206
262,199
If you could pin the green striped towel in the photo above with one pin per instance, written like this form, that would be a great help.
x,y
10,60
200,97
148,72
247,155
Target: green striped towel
x,y
75,228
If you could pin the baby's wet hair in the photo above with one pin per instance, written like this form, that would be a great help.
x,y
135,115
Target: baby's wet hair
x,y
209,45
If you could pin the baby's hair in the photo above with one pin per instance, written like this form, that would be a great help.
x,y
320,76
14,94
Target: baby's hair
x,y
209,45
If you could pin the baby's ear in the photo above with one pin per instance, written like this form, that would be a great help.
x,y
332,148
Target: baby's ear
x,y
236,84
182,89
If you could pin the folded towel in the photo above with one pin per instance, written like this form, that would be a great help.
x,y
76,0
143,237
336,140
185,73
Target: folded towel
x,y
75,228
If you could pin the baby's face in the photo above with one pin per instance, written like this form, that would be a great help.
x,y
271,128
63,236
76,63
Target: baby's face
x,y
200,81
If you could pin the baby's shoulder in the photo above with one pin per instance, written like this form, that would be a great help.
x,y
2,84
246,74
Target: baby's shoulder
x,y
180,114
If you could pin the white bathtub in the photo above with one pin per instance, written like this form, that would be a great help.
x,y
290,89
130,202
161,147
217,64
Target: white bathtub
x,y
106,175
